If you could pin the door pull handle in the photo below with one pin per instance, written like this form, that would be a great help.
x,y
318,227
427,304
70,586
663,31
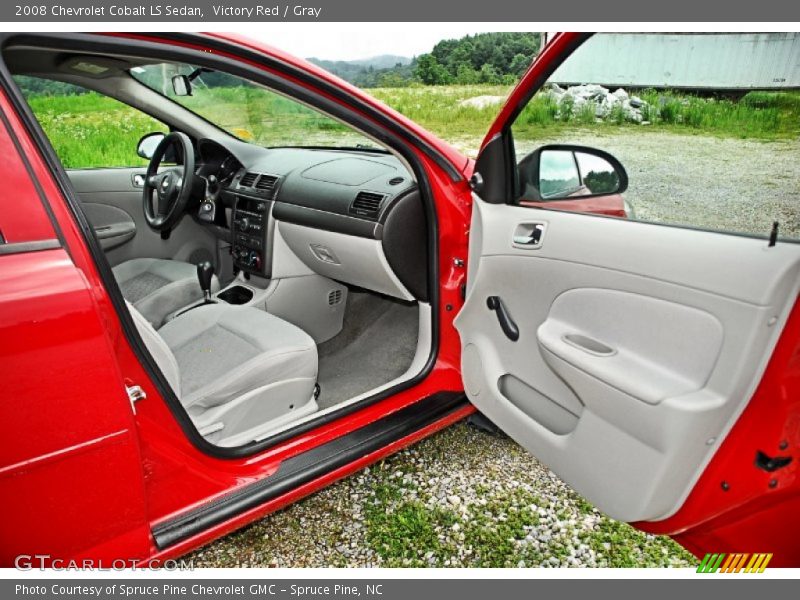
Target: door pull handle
x,y
507,324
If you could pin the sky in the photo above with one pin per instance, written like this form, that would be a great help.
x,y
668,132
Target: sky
x,y
364,40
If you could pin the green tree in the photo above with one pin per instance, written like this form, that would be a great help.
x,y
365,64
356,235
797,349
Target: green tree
x,y
391,79
602,182
489,74
506,54
31,86
466,75
430,72
519,64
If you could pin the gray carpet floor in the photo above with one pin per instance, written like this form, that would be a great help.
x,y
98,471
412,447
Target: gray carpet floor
x,y
377,343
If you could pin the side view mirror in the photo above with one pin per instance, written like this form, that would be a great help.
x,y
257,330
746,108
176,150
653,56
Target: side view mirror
x,y
148,144
181,85
557,172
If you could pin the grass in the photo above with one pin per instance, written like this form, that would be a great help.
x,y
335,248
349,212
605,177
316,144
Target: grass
x,y
760,115
408,533
89,130
440,108
496,533
263,117
404,532
408,527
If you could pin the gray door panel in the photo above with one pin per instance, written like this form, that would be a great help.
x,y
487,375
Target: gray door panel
x,y
113,226
112,201
638,345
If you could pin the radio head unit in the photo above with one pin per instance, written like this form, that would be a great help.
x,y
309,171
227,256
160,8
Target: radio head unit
x,y
250,234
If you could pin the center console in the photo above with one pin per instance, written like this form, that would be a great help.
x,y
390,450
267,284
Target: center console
x,y
249,234
254,193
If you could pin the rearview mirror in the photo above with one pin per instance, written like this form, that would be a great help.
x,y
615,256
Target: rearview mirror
x,y
558,172
181,85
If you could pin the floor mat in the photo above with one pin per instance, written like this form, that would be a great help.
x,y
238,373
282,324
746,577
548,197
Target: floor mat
x,y
377,343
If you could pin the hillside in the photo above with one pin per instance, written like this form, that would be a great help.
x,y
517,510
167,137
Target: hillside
x,y
383,61
485,58
383,70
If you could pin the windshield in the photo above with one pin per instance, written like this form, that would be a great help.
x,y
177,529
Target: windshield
x,y
249,111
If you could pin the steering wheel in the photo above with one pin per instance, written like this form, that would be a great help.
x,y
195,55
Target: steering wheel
x,y
173,186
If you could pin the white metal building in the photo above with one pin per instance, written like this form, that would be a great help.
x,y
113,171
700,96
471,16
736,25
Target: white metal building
x,y
694,61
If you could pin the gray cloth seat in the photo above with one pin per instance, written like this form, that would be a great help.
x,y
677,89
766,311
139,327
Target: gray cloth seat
x,y
158,287
238,371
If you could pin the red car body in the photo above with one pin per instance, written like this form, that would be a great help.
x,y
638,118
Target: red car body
x,y
82,476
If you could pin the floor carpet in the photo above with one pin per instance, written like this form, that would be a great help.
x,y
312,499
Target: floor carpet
x,y
377,343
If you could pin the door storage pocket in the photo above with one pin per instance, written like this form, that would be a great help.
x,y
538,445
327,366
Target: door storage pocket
x,y
537,406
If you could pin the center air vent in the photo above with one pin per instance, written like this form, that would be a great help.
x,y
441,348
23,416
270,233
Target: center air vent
x,y
367,203
248,179
266,183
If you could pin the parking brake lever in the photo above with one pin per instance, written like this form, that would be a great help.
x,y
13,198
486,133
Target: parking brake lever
x,y
507,324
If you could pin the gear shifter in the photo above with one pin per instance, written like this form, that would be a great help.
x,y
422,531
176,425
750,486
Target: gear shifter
x,y
205,271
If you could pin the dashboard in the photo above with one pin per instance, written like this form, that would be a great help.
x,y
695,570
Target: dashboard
x,y
356,195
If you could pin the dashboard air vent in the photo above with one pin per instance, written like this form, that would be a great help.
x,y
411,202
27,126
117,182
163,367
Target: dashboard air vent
x,y
248,179
367,203
266,183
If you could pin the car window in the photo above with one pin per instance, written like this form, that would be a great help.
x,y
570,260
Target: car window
x,y
87,129
246,110
707,127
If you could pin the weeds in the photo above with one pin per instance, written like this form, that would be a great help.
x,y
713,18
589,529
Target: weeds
x,y
408,523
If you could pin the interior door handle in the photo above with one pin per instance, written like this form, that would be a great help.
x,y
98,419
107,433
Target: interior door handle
x,y
528,235
507,324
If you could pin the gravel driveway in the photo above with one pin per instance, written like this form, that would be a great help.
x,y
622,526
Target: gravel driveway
x,y
463,498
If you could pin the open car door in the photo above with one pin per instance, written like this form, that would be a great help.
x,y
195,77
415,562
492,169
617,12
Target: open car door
x,y
654,368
